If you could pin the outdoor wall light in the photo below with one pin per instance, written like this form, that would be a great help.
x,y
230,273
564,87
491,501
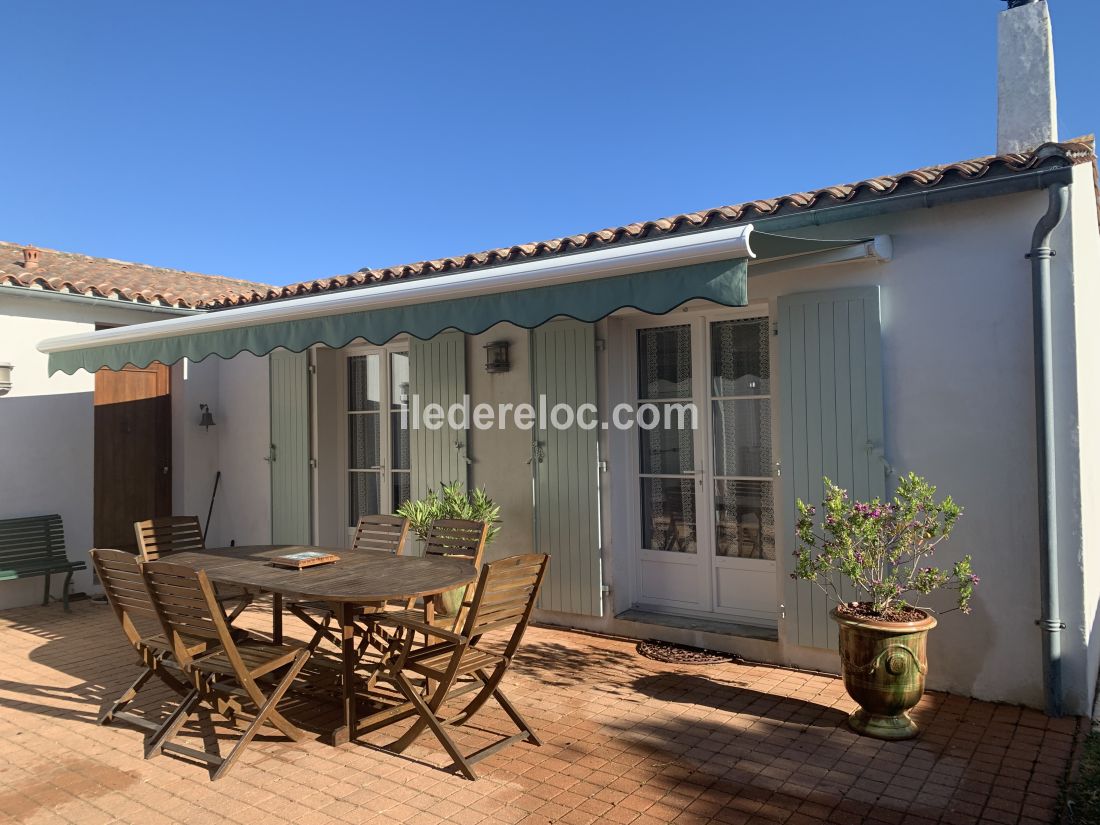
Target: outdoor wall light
x,y
496,357
207,418
5,377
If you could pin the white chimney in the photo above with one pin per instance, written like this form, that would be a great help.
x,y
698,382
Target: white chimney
x,y
1027,106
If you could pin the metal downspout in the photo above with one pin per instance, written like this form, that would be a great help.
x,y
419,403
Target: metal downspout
x,y
1050,622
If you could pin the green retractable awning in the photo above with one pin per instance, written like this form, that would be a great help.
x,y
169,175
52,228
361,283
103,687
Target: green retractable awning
x,y
723,282
583,286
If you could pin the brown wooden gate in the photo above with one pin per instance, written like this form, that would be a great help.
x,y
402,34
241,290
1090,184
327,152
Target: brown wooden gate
x,y
133,451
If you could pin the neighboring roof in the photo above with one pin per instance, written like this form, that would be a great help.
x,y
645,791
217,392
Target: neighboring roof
x,y
107,278
1051,154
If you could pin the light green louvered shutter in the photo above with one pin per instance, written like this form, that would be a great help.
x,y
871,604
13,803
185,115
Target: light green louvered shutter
x,y
437,375
567,501
831,360
291,502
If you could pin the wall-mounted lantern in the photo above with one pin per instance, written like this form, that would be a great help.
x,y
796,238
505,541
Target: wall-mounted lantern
x,y
5,377
496,357
207,418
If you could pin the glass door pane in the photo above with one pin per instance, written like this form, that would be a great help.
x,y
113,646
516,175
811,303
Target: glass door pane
x,y
666,456
740,385
365,461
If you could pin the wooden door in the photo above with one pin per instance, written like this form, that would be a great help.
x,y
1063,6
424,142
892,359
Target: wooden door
x,y
133,444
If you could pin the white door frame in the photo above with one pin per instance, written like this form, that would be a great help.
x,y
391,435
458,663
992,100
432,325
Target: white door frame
x,y
386,470
707,562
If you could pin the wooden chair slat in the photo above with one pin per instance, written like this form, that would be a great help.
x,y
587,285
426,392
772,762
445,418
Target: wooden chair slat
x,y
232,668
171,534
381,532
511,609
116,571
444,663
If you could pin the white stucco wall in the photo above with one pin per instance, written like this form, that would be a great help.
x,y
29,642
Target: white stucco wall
x,y
244,437
500,456
46,425
46,434
959,402
1084,243
194,448
237,392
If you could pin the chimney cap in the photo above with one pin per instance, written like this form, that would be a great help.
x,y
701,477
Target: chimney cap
x,y
30,257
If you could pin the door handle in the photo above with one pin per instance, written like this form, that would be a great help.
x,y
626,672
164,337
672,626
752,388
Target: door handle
x,y
270,454
164,470
461,447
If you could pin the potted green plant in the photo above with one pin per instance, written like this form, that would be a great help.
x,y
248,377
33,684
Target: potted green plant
x,y
451,502
880,549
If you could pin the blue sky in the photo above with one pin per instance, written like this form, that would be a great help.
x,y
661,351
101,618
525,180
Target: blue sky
x,y
281,141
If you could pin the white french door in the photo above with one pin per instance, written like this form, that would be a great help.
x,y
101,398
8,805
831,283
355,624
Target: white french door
x,y
705,527
377,446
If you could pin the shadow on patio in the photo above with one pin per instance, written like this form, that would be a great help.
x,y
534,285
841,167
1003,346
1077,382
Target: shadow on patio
x,y
626,740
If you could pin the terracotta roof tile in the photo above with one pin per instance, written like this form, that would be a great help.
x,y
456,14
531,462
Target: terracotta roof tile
x,y
125,281
103,277
1073,152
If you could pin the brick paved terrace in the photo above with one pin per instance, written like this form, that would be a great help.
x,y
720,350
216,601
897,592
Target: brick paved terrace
x,y
626,740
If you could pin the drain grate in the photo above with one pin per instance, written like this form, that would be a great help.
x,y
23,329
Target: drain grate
x,y
683,655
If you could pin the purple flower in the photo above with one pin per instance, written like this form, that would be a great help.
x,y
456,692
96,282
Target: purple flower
x,y
974,579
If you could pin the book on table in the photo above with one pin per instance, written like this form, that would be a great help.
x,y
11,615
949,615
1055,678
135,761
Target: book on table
x,y
307,558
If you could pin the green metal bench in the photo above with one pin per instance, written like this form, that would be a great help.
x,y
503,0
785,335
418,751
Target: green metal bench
x,y
35,546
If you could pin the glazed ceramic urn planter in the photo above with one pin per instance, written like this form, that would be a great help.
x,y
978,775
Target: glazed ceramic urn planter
x,y
884,665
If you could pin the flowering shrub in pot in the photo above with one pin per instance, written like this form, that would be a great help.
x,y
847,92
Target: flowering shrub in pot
x,y
882,551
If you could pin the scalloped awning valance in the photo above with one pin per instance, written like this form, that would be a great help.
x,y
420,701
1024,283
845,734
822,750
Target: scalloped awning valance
x,y
652,276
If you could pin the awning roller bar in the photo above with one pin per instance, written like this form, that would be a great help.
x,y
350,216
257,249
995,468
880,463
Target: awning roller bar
x,y
653,276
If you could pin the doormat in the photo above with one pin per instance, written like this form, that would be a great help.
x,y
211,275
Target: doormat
x,y
682,654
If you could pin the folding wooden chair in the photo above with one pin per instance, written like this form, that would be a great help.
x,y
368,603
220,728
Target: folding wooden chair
x,y
124,586
160,537
253,671
505,595
458,538
381,532
387,534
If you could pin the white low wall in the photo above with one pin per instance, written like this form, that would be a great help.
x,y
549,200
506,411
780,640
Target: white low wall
x,y
46,426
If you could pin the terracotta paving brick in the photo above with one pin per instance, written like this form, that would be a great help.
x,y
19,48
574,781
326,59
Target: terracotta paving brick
x,y
626,740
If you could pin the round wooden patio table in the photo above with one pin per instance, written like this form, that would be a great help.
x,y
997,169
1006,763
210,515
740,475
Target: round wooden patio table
x,y
359,579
